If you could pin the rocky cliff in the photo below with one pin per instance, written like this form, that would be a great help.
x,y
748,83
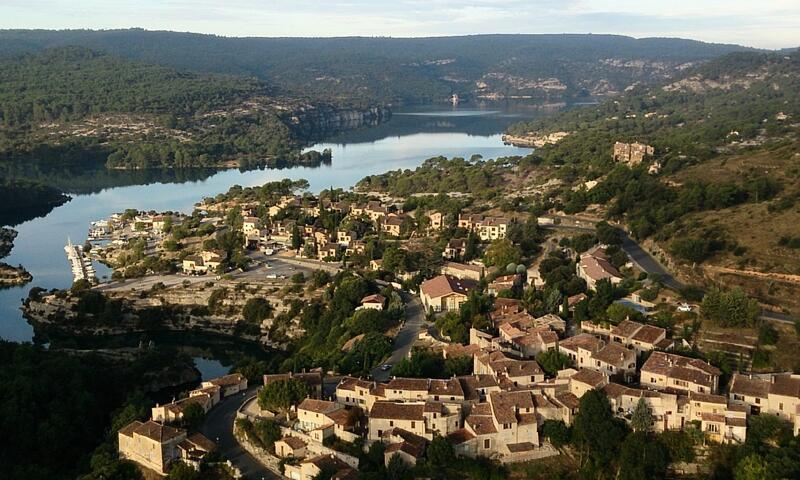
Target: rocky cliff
x,y
313,123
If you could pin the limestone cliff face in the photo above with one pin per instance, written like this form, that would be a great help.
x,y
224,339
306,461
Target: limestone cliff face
x,y
313,123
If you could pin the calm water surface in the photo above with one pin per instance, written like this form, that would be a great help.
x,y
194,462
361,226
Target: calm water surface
x,y
404,142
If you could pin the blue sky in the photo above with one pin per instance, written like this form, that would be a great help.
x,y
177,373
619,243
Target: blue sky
x,y
759,23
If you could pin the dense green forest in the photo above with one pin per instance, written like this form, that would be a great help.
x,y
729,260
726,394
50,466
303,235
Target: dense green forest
x,y
56,409
407,69
22,200
72,105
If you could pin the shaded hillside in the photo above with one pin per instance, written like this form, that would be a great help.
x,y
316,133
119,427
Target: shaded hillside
x,y
408,69
73,105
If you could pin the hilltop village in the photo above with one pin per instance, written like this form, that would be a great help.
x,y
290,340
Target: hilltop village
x,y
414,325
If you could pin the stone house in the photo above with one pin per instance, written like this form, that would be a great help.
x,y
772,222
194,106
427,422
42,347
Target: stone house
x,y
445,293
664,371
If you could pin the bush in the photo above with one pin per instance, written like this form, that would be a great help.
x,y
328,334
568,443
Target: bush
x,y
256,310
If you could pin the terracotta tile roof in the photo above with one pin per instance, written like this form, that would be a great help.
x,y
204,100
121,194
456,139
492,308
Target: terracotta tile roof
x,y
508,407
156,431
328,462
317,406
589,377
615,354
598,268
785,385
413,384
350,384
736,421
409,448
470,384
446,285
407,436
397,411
374,298
200,442
228,380
457,350
712,417
342,417
582,340
128,429
568,399
293,442
649,334
614,390
708,398
751,387
450,387
626,328
575,299
481,424
682,368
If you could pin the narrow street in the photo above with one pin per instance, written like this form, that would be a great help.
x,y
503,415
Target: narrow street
x,y
218,427
415,321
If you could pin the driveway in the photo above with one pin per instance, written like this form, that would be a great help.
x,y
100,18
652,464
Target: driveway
x,y
414,322
218,427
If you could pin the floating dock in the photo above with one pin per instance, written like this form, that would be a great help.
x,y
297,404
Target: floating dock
x,y
82,268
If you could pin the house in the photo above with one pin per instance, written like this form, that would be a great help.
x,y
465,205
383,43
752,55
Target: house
x,y
424,389
173,412
456,248
194,450
385,416
329,251
594,266
631,153
585,380
640,337
406,445
463,270
508,371
357,392
393,225
667,371
312,379
251,225
375,302
160,222
445,293
311,468
435,220
504,282
469,222
778,394
492,228
344,238
610,359
290,447
155,446
505,426
375,265
204,262
318,418
229,384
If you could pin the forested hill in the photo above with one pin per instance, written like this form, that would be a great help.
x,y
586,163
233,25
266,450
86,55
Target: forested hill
x,y
738,101
411,69
72,104
722,189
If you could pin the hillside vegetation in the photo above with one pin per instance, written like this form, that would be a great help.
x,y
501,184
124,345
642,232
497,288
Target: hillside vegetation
x,y
404,69
71,104
727,141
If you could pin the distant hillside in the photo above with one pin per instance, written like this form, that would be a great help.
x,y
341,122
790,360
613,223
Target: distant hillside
x,y
410,69
727,141
71,104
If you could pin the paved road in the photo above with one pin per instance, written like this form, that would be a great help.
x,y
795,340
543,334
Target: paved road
x,y
218,426
415,321
646,262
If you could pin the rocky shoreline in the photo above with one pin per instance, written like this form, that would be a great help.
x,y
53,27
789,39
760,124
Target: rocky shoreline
x,y
11,276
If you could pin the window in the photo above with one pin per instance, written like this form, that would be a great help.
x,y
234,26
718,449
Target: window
x,y
413,424
780,406
486,443
391,423
506,426
758,400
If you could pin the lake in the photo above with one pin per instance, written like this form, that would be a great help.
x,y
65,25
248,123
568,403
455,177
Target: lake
x,y
410,137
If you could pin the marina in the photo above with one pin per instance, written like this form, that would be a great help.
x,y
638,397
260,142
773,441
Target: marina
x,y
81,265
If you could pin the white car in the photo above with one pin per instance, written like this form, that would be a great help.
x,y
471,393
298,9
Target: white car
x,y
684,307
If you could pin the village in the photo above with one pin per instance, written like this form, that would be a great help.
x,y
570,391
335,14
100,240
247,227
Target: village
x,y
525,369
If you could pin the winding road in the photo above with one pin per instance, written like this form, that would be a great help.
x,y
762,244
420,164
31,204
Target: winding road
x,y
642,259
218,427
415,321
